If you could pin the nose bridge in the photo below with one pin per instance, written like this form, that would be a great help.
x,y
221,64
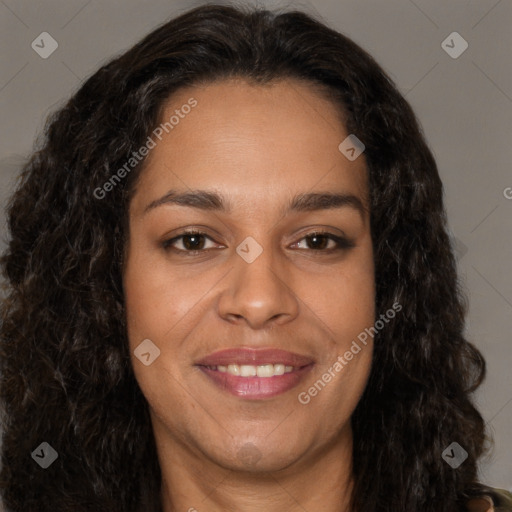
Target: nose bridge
x,y
255,262
258,291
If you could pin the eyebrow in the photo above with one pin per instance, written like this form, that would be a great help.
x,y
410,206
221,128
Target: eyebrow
x,y
307,202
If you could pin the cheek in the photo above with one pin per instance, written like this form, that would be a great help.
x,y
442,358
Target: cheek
x,y
344,299
157,298
346,304
352,303
155,308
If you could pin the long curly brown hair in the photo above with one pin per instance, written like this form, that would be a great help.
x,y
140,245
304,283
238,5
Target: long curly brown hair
x,y
66,374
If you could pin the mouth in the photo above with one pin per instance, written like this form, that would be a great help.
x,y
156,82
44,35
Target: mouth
x,y
255,374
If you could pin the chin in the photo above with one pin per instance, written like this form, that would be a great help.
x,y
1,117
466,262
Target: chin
x,y
256,456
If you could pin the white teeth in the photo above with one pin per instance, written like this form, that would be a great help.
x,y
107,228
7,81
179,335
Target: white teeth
x,y
234,369
279,369
247,370
266,370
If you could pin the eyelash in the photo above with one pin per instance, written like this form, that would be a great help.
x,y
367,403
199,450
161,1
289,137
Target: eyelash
x,y
342,243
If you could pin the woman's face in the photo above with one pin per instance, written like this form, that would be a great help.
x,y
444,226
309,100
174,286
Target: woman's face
x,y
259,282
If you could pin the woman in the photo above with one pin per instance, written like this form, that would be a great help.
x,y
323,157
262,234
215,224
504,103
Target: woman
x,y
231,288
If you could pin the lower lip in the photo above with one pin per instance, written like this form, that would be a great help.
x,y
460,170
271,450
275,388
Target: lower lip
x,y
256,387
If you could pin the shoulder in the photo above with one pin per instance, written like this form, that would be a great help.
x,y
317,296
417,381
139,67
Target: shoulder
x,y
491,500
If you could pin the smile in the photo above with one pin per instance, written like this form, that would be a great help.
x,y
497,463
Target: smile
x,y
255,373
255,387
247,370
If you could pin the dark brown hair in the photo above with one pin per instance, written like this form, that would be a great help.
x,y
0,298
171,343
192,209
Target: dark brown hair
x,y
66,376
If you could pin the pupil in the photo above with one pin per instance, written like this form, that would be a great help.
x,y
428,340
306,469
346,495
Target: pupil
x,y
195,241
315,238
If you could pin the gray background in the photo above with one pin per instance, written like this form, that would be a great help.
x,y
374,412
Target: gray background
x,y
463,104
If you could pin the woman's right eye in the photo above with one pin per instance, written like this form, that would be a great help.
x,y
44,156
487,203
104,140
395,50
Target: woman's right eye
x,y
192,242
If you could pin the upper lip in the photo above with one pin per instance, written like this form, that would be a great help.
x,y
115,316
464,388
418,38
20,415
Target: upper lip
x,y
250,356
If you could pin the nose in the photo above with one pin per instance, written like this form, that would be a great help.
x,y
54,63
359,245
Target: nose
x,y
259,293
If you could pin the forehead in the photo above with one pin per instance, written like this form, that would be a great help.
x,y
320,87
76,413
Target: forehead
x,y
248,140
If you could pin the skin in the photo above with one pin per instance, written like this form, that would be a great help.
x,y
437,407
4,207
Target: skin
x,y
257,146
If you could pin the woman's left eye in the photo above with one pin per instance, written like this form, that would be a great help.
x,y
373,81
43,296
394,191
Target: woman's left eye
x,y
193,242
319,241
